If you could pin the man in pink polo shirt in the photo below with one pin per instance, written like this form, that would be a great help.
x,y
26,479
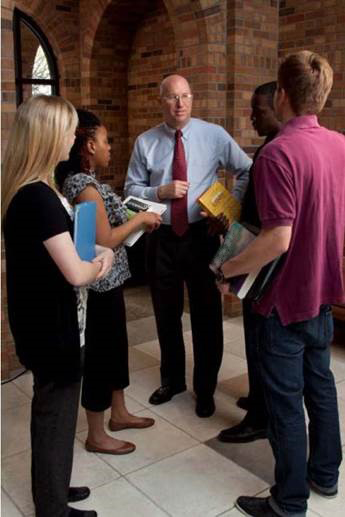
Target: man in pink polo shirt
x,y
300,191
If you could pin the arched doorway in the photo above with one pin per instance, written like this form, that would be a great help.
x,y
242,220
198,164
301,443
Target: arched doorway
x,y
133,48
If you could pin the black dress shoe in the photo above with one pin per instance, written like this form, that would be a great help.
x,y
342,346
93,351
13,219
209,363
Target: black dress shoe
x,y
205,407
73,512
165,393
244,432
78,493
243,403
255,506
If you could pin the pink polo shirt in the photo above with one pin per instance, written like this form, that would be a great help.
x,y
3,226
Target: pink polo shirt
x,y
300,182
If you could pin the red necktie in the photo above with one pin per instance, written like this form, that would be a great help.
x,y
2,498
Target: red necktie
x,y
179,213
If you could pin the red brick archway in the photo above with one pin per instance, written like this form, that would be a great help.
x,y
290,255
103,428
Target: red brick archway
x,y
199,33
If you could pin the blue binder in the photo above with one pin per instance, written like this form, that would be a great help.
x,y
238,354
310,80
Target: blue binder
x,y
85,230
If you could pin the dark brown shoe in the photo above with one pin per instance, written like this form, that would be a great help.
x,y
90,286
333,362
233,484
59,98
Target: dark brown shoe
x,y
144,422
126,448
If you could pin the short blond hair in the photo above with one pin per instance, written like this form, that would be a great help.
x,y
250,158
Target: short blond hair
x,y
307,79
36,143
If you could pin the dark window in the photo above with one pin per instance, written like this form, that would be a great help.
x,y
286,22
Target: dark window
x,y
35,63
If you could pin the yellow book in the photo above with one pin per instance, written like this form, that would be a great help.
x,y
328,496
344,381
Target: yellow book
x,y
217,199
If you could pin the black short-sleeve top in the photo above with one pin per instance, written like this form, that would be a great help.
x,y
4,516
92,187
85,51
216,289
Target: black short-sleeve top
x,y
41,303
117,215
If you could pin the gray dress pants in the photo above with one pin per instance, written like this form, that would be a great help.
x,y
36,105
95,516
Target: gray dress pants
x,y
53,422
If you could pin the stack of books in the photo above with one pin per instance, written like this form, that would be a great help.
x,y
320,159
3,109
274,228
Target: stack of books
x,y
217,200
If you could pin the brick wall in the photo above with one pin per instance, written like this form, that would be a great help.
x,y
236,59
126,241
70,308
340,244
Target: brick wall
x,y
320,27
252,46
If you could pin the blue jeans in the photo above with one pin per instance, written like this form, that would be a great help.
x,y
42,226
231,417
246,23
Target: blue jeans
x,y
295,363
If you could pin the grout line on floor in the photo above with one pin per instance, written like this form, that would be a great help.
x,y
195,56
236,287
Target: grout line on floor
x,y
12,501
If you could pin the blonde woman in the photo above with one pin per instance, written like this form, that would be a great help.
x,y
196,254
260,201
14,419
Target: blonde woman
x,y
42,268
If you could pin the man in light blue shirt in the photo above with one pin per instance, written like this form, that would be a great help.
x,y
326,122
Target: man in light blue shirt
x,y
174,259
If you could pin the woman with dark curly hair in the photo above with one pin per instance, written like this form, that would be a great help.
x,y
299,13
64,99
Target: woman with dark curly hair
x,y
106,345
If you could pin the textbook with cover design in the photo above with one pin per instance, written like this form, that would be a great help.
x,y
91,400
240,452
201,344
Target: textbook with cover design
x,y
251,285
136,204
84,234
217,200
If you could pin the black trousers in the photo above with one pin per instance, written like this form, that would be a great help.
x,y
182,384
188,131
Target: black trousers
x,y
257,406
171,261
106,349
53,422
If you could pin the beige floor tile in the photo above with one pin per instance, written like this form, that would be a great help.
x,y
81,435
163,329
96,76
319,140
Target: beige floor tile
x,y
8,508
138,359
338,367
330,507
24,383
236,347
256,457
232,513
153,444
152,347
180,411
12,396
235,387
120,498
89,469
231,366
143,383
205,484
16,480
341,408
15,430
233,330
138,303
341,389
144,329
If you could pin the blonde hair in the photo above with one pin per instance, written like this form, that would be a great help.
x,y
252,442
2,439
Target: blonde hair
x,y
307,79
36,144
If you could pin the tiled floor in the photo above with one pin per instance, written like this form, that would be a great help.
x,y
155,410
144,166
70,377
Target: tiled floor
x,y
179,469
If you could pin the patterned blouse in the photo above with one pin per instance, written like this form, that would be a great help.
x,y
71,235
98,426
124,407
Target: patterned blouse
x,y
117,215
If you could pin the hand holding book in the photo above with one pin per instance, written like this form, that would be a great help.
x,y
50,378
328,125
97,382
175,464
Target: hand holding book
x,y
149,211
251,285
218,201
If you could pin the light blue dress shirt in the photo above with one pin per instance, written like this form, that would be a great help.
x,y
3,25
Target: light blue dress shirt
x,y
208,147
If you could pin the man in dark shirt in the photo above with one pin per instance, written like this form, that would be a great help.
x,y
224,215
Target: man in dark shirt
x,y
254,424
300,192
